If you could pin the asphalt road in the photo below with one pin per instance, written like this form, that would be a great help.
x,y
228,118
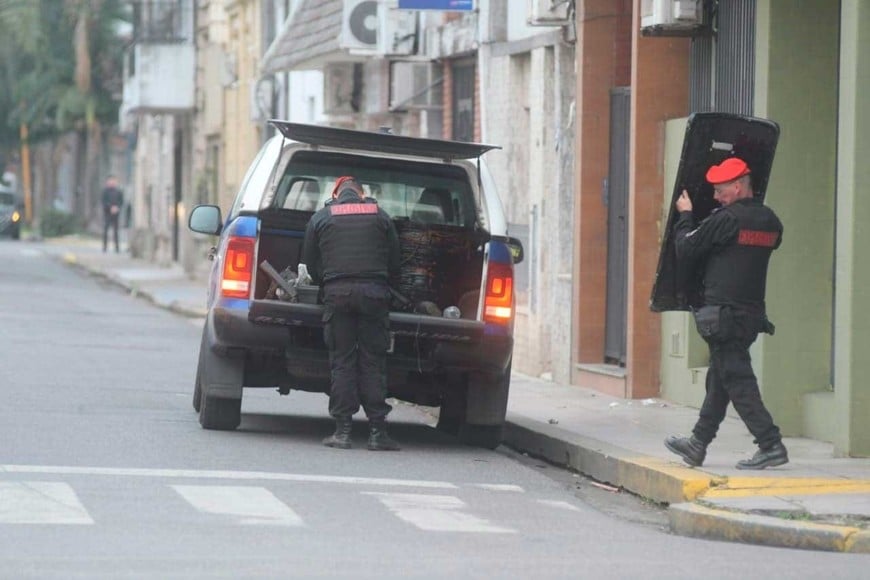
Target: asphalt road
x,y
105,472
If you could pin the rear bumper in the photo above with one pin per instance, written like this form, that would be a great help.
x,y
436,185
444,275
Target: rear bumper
x,y
422,343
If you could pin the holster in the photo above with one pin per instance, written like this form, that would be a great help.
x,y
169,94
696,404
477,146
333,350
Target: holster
x,y
714,322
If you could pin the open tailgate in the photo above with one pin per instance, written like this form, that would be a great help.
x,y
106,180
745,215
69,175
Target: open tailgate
x,y
401,323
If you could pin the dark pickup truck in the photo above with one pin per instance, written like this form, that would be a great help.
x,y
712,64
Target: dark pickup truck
x,y
452,322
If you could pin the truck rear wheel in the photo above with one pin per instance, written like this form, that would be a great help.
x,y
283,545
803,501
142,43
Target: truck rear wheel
x,y
451,414
485,409
486,436
197,391
219,413
197,383
220,384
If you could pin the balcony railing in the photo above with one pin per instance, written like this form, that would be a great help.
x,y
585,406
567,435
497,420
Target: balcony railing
x,y
162,21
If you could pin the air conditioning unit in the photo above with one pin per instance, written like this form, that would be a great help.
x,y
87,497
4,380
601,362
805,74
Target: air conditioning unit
x,y
548,12
397,33
415,85
359,27
666,16
338,88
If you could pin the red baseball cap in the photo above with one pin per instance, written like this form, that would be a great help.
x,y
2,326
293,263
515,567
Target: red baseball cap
x,y
341,182
728,170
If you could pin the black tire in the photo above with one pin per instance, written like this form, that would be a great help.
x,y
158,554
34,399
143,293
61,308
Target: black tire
x,y
487,436
197,382
220,382
197,391
220,414
485,410
451,414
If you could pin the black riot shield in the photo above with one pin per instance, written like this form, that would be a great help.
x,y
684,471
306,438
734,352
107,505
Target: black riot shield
x,y
710,139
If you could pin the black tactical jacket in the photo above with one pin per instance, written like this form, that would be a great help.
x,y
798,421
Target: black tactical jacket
x,y
351,238
733,247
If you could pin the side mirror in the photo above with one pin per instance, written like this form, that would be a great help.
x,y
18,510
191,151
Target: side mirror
x,y
205,219
516,248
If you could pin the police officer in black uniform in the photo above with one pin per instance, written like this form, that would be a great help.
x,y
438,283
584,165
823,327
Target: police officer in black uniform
x,y
351,248
732,247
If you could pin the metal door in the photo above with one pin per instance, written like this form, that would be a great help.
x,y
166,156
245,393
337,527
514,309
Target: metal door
x,y
616,199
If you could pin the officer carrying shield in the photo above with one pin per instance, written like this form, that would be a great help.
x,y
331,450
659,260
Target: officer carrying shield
x,y
351,248
732,248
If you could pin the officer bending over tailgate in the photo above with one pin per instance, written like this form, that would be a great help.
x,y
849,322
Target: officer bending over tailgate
x,y
351,248
732,247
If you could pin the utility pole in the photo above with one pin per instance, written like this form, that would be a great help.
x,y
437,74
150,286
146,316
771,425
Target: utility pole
x,y
25,174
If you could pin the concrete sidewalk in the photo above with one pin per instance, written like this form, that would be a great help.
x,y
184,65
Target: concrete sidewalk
x,y
816,501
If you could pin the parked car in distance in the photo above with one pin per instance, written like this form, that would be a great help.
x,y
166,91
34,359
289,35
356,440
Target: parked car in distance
x,y
452,322
10,214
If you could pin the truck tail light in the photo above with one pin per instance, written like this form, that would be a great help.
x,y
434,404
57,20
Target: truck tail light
x,y
498,305
238,268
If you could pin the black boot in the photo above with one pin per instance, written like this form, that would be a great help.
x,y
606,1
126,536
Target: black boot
x,y
690,449
341,438
378,438
774,455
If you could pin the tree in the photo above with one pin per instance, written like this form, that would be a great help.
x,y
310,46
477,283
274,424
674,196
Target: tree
x,y
60,61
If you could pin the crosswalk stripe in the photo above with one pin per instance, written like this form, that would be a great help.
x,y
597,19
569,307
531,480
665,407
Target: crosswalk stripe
x,y
247,505
564,505
212,474
500,487
437,513
40,502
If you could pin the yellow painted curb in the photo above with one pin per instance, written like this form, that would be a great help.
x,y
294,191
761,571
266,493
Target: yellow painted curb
x,y
703,522
661,479
775,486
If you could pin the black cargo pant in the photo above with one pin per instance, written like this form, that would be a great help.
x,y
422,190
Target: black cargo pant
x,y
110,222
730,377
356,331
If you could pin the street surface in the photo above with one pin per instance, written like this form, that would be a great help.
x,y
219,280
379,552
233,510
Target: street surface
x,y
105,472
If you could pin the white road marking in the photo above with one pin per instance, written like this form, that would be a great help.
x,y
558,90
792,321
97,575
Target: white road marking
x,y
29,252
500,487
436,513
559,504
234,475
247,505
40,502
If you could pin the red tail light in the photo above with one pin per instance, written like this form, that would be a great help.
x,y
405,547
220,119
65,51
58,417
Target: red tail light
x,y
238,268
498,305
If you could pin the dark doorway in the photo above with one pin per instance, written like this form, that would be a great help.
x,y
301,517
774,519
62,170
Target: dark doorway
x,y
616,198
464,74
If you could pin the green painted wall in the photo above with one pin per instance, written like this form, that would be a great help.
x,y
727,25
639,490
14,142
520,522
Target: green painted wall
x,y
852,331
812,77
796,77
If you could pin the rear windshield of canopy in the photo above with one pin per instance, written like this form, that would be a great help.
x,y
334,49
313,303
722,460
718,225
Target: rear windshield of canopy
x,y
423,192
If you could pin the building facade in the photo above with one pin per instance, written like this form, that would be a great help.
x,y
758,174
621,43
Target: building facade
x,y
804,67
589,104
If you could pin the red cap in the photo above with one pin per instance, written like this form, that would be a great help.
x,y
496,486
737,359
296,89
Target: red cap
x,y
341,182
728,170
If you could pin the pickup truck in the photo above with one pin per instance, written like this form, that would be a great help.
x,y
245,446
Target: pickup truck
x,y
452,322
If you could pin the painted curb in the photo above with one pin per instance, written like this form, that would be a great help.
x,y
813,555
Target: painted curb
x,y
688,519
859,543
175,306
652,478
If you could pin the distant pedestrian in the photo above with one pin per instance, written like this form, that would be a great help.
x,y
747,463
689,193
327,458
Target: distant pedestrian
x,y
113,200
351,248
732,248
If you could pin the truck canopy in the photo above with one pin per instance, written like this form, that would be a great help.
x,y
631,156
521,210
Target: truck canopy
x,y
381,142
